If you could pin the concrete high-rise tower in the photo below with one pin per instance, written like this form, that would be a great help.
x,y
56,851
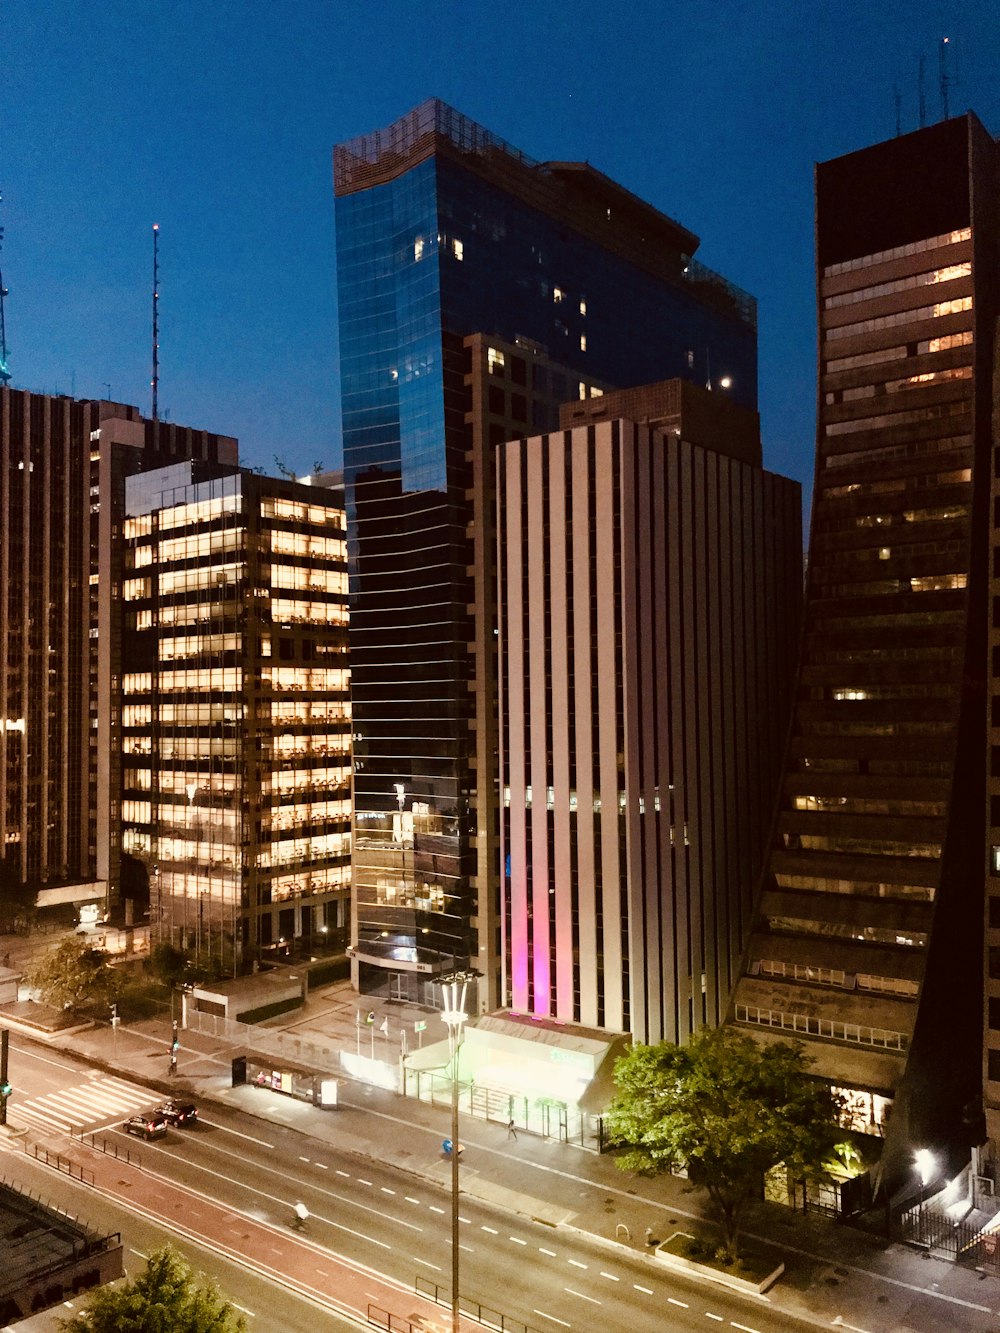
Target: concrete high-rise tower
x,y
868,942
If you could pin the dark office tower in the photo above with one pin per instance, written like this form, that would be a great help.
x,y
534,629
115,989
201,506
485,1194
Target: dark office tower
x,y
62,476
236,712
870,926
443,232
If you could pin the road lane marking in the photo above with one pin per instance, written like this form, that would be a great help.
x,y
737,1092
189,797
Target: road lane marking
x,y
517,1240
492,1230
544,1315
743,1327
717,1317
583,1297
345,1174
542,1250
645,1290
303,1159
364,1182
323,1166
577,1264
418,1260
435,1209
243,1310
683,1304
410,1199
387,1190
610,1275
262,1143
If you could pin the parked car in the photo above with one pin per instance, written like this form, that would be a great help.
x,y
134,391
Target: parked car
x,y
177,1113
147,1125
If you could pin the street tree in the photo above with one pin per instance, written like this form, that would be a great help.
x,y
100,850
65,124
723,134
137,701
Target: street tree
x,y
73,974
167,1297
726,1109
168,963
17,900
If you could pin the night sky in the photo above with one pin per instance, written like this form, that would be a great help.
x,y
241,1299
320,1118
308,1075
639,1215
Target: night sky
x,y
216,120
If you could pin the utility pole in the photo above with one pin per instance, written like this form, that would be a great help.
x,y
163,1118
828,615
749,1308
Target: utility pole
x,y
5,1088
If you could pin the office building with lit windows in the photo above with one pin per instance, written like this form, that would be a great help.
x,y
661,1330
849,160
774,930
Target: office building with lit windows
x,y
477,290
649,596
870,925
236,712
63,465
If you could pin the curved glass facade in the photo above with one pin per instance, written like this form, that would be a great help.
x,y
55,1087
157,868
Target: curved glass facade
x,y
442,232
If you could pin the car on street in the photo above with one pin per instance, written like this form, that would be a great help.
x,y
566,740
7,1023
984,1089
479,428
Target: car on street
x,y
146,1125
177,1113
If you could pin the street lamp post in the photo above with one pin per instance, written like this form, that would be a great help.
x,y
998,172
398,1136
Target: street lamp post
x,y
454,988
926,1166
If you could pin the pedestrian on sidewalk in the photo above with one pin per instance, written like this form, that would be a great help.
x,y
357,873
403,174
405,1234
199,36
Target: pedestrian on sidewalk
x,y
511,1130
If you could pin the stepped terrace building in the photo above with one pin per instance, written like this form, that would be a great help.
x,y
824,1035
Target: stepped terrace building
x,y
869,937
236,713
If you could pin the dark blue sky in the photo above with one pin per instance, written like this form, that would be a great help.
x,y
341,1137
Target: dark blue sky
x,y
216,119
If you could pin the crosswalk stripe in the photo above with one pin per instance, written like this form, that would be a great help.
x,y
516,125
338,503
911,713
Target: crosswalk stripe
x,y
86,1104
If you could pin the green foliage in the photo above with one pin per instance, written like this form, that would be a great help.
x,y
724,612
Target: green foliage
x,y
17,900
166,1298
74,974
168,963
728,1110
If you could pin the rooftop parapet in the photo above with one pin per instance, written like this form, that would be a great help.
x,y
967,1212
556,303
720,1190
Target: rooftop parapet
x,y
574,192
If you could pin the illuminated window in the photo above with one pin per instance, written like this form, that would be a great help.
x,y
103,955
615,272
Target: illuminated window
x,y
583,342
884,553
583,307
494,357
937,582
418,249
558,295
583,391
595,392
458,249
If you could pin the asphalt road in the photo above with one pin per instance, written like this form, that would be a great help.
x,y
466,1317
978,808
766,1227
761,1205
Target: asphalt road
x,y
268,1309
242,1176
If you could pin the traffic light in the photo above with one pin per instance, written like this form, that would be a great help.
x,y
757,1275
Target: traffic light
x,y
175,1043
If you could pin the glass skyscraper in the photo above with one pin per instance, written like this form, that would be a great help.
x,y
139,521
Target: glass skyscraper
x,y
443,232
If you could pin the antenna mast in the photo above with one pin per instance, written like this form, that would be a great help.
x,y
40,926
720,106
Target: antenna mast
x,y
943,75
4,369
155,382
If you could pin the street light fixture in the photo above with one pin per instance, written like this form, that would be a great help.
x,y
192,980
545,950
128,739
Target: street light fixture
x,y
455,987
926,1164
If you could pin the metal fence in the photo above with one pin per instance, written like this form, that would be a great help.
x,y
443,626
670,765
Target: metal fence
x,y
483,1314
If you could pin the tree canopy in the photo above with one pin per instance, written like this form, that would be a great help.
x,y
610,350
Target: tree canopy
x,y
725,1108
74,973
166,1298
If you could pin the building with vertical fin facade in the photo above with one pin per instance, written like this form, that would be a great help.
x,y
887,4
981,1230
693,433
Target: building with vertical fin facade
x,y
649,592
63,465
870,921
236,712
445,232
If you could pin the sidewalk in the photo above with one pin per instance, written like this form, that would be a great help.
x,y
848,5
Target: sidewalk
x,y
835,1276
